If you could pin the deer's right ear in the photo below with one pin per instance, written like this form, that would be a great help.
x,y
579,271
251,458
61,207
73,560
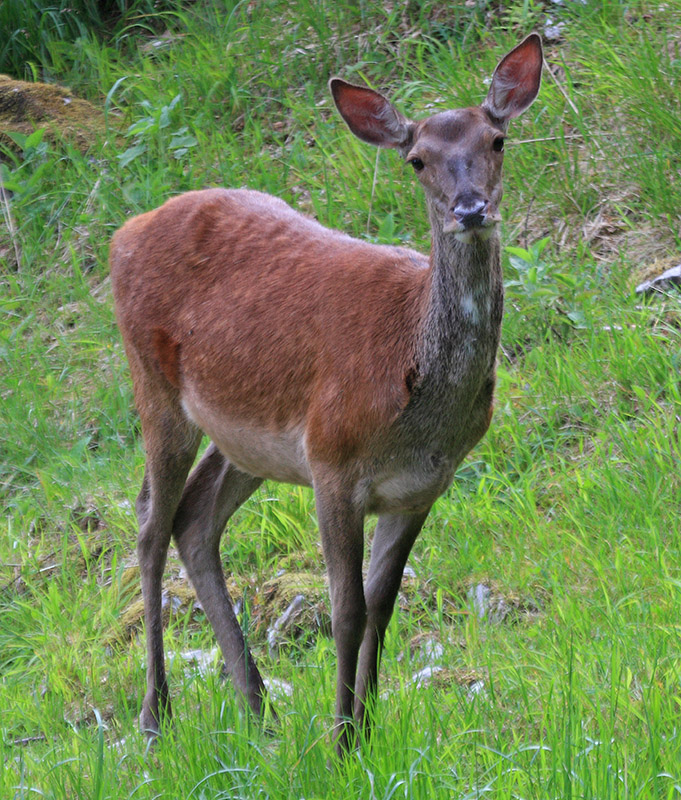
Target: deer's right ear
x,y
370,116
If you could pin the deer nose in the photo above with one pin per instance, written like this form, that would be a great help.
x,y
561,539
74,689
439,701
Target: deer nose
x,y
469,211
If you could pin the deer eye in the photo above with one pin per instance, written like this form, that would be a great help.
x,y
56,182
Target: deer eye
x,y
416,163
498,144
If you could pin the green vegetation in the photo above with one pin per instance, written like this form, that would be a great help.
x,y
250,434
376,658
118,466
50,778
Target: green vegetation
x,y
568,510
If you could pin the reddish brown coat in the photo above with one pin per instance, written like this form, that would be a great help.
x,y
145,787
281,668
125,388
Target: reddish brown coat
x,y
225,271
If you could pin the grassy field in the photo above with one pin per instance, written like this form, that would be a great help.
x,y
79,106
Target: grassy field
x,y
566,516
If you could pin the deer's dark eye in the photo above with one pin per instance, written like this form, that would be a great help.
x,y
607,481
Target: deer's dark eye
x,y
498,144
416,163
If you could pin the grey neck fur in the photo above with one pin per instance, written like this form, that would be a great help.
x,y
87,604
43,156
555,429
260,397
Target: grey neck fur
x,y
463,318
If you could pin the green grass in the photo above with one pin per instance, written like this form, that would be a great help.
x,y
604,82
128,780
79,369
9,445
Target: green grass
x,y
569,508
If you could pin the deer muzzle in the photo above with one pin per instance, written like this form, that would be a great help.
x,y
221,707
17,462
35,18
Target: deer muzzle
x,y
471,215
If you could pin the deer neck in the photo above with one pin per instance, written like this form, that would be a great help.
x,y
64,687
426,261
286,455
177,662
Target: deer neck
x,y
462,322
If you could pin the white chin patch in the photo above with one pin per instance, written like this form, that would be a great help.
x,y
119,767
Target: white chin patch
x,y
481,233
464,236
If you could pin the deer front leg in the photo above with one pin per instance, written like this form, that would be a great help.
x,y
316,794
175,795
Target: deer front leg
x,y
393,540
341,529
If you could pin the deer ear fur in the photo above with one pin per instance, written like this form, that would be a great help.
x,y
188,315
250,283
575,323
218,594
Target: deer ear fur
x,y
370,116
516,80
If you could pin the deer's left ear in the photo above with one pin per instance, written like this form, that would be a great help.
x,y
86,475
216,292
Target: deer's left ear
x,y
516,80
370,116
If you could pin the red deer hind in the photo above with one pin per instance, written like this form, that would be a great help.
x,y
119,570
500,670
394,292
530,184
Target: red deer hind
x,y
307,356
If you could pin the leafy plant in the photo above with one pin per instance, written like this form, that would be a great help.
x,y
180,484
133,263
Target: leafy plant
x,y
153,130
24,175
551,299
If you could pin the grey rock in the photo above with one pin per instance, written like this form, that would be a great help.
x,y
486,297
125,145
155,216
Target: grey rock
x,y
553,31
670,277
425,675
283,622
480,595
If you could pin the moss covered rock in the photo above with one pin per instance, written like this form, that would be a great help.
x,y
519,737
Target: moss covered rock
x,y
178,597
26,106
293,607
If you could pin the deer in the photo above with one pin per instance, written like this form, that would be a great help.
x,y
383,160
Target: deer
x,y
311,357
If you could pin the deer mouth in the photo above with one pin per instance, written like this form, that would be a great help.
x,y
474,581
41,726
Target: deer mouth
x,y
481,228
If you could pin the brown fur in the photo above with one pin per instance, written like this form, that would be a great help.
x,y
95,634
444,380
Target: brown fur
x,y
167,352
348,327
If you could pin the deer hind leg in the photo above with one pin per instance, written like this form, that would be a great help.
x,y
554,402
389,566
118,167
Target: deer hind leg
x,y
393,540
214,491
171,443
